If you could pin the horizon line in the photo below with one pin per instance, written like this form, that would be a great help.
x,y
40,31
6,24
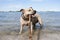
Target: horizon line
x,y
37,11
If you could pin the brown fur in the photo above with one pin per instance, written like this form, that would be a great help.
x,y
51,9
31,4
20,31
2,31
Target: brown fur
x,y
35,18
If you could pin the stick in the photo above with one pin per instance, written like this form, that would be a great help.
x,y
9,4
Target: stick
x,y
30,27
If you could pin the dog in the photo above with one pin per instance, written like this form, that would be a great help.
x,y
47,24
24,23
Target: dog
x,y
24,19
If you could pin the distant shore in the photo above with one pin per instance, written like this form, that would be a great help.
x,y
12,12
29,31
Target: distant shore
x,y
37,11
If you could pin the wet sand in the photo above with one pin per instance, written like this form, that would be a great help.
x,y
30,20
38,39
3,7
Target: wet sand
x,y
44,34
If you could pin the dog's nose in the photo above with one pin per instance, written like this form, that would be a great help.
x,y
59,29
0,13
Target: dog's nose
x,y
34,12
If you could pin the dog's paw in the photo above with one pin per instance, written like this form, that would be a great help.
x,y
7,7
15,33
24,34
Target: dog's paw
x,y
20,33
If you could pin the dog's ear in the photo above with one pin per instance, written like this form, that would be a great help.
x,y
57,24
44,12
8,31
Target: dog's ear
x,y
21,10
30,7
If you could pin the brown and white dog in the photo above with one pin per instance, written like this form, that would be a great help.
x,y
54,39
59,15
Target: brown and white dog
x,y
24,20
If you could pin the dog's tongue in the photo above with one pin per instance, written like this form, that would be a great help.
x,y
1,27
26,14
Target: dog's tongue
x,y
32,15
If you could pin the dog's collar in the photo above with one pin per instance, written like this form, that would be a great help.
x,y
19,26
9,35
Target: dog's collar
x,y
26,19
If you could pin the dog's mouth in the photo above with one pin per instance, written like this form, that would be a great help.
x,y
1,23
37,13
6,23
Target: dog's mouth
x,y
30,14
34,12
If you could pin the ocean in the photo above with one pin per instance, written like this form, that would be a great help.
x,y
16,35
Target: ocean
x,y
10,21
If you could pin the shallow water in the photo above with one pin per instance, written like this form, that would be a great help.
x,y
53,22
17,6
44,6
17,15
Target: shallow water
x,y
9,21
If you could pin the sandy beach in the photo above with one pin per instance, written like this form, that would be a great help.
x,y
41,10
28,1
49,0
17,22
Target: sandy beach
x,y
43,35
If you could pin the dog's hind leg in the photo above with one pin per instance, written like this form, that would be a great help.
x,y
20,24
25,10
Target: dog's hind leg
x,y
39,19
40,22
34,27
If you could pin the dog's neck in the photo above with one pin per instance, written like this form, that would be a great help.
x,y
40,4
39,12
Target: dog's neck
x,y
25,18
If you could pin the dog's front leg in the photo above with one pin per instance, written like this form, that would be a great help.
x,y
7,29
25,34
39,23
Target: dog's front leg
x,y
21,29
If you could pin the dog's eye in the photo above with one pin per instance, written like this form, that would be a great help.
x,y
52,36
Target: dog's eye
x,y
29,10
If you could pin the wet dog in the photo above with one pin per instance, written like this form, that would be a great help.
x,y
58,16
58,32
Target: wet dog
x,y
24,20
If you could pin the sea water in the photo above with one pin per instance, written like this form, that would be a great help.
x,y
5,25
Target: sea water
x,y
11,20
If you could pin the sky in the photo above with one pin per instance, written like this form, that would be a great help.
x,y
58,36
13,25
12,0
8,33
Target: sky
x,y
39,5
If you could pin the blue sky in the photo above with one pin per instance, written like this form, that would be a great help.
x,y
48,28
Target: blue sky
x,y
39,5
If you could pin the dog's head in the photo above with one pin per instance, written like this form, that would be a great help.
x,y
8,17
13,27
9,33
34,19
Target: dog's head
x,y
28,11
